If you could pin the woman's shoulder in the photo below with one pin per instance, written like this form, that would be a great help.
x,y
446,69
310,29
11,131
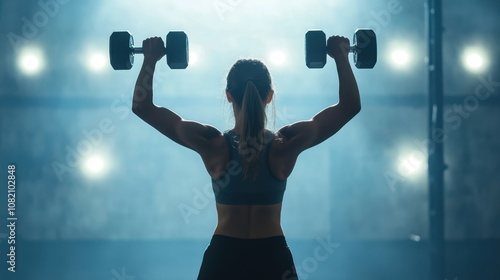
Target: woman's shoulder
x,y
267,136
275,135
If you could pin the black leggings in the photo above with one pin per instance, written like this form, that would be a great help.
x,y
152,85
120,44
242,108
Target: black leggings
x,y
240,259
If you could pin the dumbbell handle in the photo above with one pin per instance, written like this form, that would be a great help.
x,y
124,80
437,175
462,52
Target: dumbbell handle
x,y
353,49
139,50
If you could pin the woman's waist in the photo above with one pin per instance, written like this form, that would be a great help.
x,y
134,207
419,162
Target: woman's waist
x,y
272,243
246,230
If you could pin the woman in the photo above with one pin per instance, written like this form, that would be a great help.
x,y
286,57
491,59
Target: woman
x,y
248,164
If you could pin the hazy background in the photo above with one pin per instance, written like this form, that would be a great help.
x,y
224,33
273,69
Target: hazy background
x,y
88,170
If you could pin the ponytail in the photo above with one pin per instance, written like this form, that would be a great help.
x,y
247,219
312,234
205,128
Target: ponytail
x,y
251,120
249,83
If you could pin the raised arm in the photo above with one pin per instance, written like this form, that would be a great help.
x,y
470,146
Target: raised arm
x,y
305,134
190,134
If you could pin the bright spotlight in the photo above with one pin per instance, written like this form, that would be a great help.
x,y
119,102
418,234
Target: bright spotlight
x,y
415,237
400,58
474,59
277,58
411,164
30,61
94,166
97,62
196,55
193,58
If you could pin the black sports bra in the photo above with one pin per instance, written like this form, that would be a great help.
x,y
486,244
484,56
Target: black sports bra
x,y
233,189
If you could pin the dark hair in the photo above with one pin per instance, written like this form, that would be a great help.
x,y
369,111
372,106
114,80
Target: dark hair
x,y
249,84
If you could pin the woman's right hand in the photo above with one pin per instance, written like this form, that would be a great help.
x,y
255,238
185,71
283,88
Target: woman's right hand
x,y
338,47
153,49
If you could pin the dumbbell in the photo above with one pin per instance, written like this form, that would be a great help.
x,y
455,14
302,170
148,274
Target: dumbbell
x,y
122,50
364,48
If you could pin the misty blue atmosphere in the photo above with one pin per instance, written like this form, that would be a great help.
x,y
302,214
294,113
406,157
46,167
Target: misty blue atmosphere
x,y
99,194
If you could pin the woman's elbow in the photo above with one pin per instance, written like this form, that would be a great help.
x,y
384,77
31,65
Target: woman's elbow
x,y
357,109
140,108
136,109
354,110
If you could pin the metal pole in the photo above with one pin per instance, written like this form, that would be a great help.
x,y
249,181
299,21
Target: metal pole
x,y
436,156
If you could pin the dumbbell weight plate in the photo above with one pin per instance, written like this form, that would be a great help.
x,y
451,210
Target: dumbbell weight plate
x,y
315,49
177,50
120,54
365,54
